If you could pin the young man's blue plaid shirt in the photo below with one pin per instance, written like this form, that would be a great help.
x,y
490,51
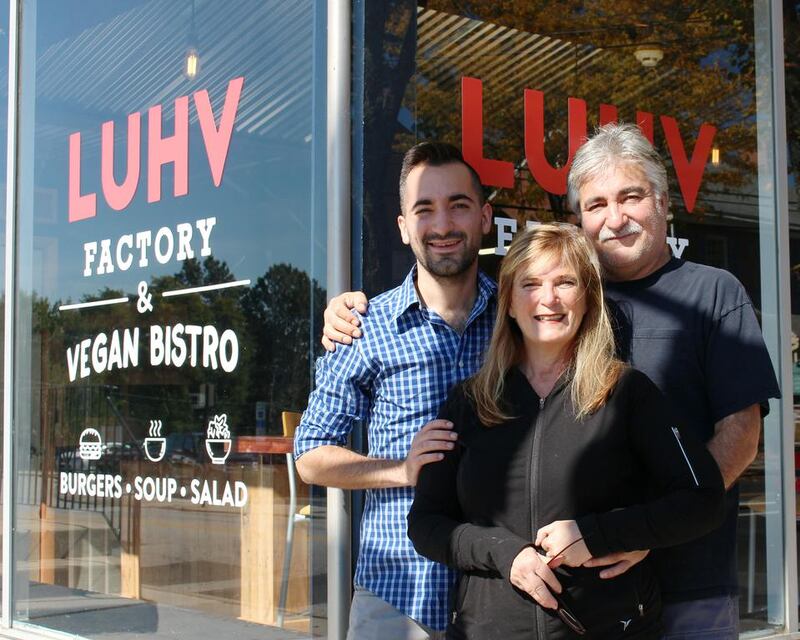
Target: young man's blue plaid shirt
x,y
395,378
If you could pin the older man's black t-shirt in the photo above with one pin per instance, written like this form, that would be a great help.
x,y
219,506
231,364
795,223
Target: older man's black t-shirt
x,y
693,331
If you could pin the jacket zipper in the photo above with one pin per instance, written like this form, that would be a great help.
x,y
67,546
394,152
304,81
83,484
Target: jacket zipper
x,y
540,625
677,435
461,595
639,603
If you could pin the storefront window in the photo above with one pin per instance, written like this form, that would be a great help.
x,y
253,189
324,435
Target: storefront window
x,y
517,85
3,140
171,274
791,43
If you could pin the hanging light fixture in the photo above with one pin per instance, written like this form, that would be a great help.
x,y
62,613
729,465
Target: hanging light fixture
x,y
715,156
191,65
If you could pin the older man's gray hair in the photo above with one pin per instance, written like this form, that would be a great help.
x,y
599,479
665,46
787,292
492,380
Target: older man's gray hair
x,y
611,145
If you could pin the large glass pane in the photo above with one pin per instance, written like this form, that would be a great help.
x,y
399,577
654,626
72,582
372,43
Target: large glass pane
x,y
171,269
4,20
517,85
791,43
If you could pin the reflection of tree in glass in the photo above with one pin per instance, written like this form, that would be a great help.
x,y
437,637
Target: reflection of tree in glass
x,y
271,321
416,55
281,308
707,75
222,310
791,39
389,48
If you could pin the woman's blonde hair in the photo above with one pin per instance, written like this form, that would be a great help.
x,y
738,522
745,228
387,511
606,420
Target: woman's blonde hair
x,y
593,367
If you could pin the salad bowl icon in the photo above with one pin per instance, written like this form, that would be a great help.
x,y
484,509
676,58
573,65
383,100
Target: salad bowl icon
x,y
218,439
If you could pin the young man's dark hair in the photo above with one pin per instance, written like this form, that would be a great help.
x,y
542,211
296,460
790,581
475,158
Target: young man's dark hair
x,y
436,154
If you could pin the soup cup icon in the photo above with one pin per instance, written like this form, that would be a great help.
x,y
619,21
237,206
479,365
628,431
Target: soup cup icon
x,y
155,448
218,449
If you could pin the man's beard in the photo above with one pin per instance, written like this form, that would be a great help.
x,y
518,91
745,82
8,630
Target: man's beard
x,y
451,265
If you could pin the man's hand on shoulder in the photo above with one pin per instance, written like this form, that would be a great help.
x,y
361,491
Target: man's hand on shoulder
x,y
341,326
617,563
428,446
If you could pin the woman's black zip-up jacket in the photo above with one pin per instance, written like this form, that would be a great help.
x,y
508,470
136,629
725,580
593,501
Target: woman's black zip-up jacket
x,y
627,474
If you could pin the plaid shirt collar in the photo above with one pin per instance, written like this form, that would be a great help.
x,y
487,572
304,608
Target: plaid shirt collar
x,y
407,298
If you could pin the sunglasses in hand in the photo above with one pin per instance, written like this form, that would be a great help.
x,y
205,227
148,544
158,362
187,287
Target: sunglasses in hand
x,y
563,612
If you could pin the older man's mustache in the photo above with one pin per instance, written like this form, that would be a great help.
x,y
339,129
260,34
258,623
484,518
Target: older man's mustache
x,y
630,228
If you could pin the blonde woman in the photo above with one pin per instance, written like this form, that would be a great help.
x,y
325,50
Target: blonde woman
x,y
564,454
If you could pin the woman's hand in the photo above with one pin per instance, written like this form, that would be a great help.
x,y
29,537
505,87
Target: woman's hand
x,y
530,573
562,540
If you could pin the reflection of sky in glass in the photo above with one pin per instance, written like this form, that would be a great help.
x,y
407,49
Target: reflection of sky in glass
x,y
94,73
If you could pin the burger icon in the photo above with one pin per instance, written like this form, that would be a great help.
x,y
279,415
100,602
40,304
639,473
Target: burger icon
x,y
91,445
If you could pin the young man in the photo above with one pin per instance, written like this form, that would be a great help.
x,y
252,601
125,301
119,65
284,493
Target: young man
x,y
691,329
420,339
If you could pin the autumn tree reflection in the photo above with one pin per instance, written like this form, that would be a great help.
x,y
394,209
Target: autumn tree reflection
x,y
273,320
588,50
700,75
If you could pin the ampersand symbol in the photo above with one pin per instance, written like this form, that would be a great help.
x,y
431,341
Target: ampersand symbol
x,y
144,303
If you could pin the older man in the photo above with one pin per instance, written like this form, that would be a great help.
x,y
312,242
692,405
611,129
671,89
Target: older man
x,y
692,329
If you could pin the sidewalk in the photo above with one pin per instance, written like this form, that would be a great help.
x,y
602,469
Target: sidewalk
x,y
93,615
